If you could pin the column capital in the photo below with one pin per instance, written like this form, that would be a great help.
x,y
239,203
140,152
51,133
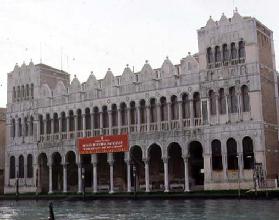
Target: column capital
x,y
165,159
145,160
185,158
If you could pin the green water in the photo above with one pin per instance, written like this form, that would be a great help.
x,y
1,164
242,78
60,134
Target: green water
x,y
145,209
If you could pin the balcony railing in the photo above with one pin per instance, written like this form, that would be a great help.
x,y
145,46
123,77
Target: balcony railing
x,y
176,124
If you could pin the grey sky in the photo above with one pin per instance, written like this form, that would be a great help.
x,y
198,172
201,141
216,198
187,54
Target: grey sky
x,y
95,35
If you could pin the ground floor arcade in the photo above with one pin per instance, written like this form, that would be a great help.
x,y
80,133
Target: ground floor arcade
x,y
156,167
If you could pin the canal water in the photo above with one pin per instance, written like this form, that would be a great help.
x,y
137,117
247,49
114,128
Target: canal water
x,y
144,209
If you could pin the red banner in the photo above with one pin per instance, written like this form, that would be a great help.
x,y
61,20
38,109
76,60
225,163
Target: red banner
x,y
103,144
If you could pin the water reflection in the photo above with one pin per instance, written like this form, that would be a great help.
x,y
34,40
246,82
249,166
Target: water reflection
x,y
138,210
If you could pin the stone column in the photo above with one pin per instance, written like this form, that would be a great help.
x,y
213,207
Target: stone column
x,y
128,175
138,118
110,122
217,108
68,126
180,114
169,115
79,178
158,116
227,107
166,174
83,125
240,164
225,166
208,111
207,168
146,167
76,123
191,113
101,122
50,178
186,174
94,163
64,178
111,161
38,131
148,117
118,121
92,123
128,119
239,106
35,174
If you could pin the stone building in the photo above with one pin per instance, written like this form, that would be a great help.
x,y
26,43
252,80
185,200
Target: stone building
x,y
200,124
2,146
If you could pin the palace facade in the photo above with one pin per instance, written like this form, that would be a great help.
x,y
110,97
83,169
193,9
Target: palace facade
x,y
201,124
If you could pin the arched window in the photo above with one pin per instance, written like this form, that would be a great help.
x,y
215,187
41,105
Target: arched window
x,y
217,56
142,112
19,127
164,109
153,117
22,93
14,94
41,124
105,116
87,119
114,115
79,120
29,166
27,91
245,99
133,112
209,55
71,121
212,102
18,93
225,54
197,105
216,155
232,155
21,167
12,167
64,122
32,90
56,123
25,127
233,51
233,105
31,126
222,101
48,124
185,106
174,108
123,113
241,51
13,128
248,153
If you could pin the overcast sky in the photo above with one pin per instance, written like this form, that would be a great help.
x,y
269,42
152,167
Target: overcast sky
x,y
94,35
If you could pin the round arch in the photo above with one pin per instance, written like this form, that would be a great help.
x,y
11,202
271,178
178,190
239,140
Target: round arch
x,y
43,172
156,167
196,165
175,167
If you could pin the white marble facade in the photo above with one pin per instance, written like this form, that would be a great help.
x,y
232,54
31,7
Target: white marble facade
x,y
207,109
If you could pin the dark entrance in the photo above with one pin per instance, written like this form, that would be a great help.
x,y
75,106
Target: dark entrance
x,y
196,166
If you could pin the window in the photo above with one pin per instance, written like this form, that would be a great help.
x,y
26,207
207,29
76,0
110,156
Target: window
x,y
232,156
233,51
241,50
21,167
185,106
197,105
233,105
216,155
12,167
248,153
29,166
212,102
209,55
245,99
225,54
222,101
174,108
